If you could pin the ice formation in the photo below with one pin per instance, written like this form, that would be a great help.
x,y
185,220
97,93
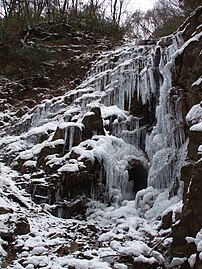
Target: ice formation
x,y
140,125
119,79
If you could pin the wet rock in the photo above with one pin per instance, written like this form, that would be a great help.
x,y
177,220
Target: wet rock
x,y
5,210
16,199
21,112
165,41
30,103
72,135
166,221
18,164
146,42
76,183
73,247
71,209
195,139
29,167
188,70
42,192
8,236
198,264
63,250
93,124
45,152
191,217
22,227
92,227
191,24
145,112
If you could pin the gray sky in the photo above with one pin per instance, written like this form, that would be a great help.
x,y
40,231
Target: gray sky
x,y
140,4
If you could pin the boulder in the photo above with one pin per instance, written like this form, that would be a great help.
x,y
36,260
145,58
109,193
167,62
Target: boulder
x,y
93,124
5,210
72,208
166,221
22,226
72,135
50,149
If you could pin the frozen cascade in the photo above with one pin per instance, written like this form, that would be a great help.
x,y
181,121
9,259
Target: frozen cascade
x,y
165,146
119,82
115,165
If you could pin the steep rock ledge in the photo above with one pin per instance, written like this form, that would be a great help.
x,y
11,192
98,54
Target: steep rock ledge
x,y
187,77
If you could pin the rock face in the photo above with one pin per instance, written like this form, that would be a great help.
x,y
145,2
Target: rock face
x,y
89,142
123,128
187,77
93,124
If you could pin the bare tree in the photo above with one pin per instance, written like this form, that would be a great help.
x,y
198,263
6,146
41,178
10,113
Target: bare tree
x,y
118,8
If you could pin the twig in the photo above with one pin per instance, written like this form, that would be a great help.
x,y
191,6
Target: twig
x,y
113,255
23,41
160,242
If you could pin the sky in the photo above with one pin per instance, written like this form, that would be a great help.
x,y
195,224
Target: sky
x,y
140,4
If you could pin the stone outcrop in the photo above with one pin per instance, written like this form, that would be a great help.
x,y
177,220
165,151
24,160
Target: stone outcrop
x,y
72,136
187,71
93,123
46,151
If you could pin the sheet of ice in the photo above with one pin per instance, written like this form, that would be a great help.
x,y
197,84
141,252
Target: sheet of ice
x,y
168,137
114,164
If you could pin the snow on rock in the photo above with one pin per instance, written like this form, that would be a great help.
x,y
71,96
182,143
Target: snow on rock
x,y
119,82
197,82
59,243
192,260
176,261
198,242
200,149
194,116
72,166
196,127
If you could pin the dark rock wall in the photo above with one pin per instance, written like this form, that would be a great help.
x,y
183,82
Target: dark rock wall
x,y
188,69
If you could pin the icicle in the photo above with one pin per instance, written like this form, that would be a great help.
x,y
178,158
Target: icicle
x,y
167,137
71,137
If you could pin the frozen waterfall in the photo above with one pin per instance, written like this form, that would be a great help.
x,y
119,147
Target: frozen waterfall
x,y
141,118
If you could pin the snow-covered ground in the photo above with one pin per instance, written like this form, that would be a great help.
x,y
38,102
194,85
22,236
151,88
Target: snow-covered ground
x,y
110,237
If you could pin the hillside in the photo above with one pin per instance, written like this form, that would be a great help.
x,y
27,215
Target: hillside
x,y
102,169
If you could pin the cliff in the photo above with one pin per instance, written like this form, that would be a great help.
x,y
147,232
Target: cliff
x,y
106,175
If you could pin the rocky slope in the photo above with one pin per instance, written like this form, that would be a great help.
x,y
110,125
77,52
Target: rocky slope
x,y
46,61
121,134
